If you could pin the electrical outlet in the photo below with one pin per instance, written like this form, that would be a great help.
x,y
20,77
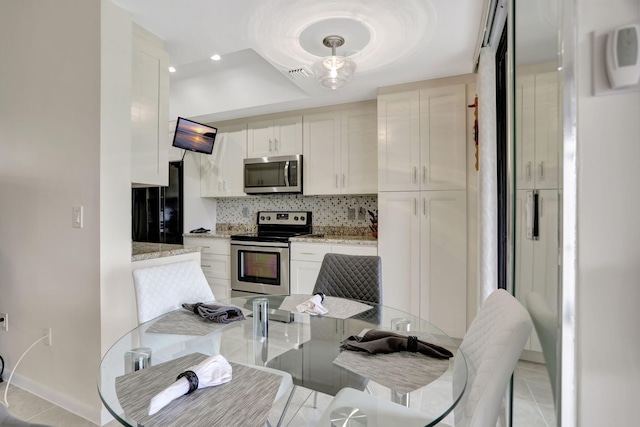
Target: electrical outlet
x,y
351,213
4,325
361,213
47,333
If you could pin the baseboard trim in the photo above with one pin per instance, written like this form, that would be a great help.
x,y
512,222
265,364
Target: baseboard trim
x,y
88,412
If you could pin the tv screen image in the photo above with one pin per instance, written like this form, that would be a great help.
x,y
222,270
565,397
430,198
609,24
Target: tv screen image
x,y
194,136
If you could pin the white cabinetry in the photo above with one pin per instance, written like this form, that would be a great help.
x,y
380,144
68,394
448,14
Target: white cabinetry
x,y
536,262
279,137
536,139
216,263
221,173
423,242
422,139
149,110
306,259
340,151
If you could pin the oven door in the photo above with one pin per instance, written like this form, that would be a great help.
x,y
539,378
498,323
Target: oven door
x,y
260,267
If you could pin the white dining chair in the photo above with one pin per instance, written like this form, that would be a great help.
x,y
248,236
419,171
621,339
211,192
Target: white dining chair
x,y
164,288
491,347
545,322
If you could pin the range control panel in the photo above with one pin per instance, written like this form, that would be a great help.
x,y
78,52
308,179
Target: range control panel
x,y
284,218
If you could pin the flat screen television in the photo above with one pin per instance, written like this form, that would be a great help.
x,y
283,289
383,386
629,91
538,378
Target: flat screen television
x,y
194,136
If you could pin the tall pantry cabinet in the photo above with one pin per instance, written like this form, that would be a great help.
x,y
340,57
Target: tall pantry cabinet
x,y
422,163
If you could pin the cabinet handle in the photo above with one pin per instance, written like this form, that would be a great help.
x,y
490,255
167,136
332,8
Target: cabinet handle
x,y
541,170
204,265
224,185
219,186
415,206
415,174
424,206
424,174
307,253
276,144
343,181
336,176
528,171
270,149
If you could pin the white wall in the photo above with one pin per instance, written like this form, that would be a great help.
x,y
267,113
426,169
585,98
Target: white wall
x,y
52,158
608,284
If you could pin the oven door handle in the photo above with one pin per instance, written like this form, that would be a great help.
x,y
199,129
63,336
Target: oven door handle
x,y
286,173
261,244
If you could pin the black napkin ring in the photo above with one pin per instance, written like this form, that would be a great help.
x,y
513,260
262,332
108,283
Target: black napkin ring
x,y
321,296
412,343
196,306
192,378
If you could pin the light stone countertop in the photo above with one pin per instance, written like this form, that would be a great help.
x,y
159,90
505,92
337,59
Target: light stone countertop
x,y
217,235
144,250
329,238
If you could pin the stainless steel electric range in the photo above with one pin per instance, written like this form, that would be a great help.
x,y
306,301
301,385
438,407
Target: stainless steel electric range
x,y
260,261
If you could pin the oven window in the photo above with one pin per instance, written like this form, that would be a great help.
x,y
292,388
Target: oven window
x,y
259,267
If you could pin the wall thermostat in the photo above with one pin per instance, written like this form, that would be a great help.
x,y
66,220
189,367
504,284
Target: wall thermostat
x,y
623,56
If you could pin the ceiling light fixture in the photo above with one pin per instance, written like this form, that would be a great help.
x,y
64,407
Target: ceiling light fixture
x,y
334,71
216,57
172,69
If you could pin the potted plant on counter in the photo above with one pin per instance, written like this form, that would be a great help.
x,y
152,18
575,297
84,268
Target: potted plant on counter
x,y
373,217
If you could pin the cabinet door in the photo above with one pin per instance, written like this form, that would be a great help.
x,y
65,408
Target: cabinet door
x,y
347,249
546,130
398,141
287,136
524,132
443,138
359,161
443,260
303,276
149,113
260,139
399,248
221,173
321,154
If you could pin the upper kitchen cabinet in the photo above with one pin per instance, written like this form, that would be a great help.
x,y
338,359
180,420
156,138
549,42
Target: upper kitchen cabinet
x,y
422,139
221,173
340,151
149,110
536,139
279,137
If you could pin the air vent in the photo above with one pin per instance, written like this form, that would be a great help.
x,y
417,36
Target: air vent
x,y
299,73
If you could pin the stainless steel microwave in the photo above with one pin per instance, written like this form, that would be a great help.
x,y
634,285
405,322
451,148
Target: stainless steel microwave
x,y
280,174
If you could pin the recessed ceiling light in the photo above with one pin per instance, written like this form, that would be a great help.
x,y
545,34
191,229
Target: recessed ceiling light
x,y
172,70
216,57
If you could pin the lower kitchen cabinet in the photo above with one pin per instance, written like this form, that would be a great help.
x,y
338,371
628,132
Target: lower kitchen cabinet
x,y
422,241
306,259
215,262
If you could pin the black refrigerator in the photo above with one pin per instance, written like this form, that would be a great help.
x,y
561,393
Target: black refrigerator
x,y
157,212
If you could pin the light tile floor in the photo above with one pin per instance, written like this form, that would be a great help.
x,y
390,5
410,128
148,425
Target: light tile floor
x,y
533,404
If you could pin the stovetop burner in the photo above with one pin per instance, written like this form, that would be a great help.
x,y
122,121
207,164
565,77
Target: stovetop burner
x,y
279,226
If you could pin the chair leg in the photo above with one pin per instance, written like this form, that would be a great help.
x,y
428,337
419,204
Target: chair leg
x,y
286,406
315,400
367,389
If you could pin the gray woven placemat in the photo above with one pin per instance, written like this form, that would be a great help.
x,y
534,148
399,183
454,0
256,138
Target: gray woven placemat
x,y
183,322
339,308
402,371
244,401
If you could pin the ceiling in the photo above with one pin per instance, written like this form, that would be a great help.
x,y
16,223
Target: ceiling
x,y
260,41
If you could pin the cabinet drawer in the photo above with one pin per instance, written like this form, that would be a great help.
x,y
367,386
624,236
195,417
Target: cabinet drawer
x,y
209,245
216,266
221,288
309,251
354,249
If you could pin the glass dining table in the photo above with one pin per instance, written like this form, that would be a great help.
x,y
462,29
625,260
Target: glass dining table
x,y
148,358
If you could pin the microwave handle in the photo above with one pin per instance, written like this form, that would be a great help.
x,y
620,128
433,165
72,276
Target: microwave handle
x,y
286,173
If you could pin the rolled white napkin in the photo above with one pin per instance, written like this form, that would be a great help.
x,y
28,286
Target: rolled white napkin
x,y
212,371
312,306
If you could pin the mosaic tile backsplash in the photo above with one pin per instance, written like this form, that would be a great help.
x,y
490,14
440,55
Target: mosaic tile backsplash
x,y
331,214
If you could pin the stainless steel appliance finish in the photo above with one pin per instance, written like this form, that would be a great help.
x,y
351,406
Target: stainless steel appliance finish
x,y
260,262
280,174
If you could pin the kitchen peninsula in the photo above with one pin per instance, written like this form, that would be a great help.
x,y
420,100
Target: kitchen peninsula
x,y
145,254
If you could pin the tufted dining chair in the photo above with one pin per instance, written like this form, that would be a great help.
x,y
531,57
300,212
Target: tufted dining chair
x,y
356,277
491,347
545,323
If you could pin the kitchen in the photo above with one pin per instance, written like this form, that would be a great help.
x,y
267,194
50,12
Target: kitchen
x,y
83,283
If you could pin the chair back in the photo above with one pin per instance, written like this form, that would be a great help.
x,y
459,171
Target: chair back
x,y
492,346
351,276
164,288
546,324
